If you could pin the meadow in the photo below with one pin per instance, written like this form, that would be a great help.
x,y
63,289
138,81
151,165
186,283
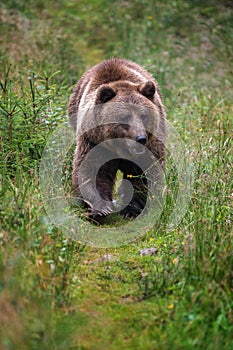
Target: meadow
x,y
58,293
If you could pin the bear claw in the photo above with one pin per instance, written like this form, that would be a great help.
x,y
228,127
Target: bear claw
x,y
97,215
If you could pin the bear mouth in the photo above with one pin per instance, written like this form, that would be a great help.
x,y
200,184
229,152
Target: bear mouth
x,y
137,150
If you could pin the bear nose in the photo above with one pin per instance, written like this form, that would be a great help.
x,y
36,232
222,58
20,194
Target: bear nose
x,y
141,139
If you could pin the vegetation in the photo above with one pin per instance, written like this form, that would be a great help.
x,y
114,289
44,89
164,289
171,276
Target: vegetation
x,y
56,293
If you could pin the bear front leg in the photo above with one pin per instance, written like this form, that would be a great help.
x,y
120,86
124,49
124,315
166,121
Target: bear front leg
x,y
104,184
96,192
81,150
94,186
138,202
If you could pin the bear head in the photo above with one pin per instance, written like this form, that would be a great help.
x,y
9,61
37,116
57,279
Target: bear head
x,y
123,110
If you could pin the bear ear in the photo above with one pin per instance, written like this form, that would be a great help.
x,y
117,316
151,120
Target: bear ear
x,y
104,94
147,89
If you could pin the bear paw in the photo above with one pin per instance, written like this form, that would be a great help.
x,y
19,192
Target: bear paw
x,y
97,215
131,211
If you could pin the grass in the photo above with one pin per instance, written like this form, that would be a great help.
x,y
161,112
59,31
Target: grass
x,y
56,293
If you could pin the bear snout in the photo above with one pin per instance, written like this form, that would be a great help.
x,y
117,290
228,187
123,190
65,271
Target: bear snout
x,y
138,148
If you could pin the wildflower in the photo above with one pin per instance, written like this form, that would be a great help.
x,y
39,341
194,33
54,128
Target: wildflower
x,y
175,261
200,129
171,306
129,176
151,239
149,18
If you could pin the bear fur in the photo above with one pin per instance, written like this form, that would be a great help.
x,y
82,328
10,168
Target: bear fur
x,y
99,110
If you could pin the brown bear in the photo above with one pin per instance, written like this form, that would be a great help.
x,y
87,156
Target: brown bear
x,y
117,106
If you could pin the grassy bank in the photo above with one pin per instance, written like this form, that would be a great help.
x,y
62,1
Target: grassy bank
x,y
56,293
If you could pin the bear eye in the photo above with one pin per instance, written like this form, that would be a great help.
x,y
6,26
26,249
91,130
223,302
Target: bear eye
x,y
125,119
144,117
